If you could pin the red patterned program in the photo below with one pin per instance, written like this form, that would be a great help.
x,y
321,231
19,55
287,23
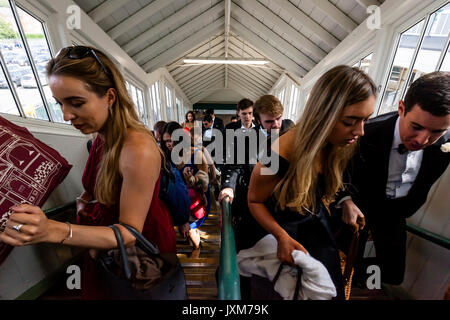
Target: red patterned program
x,y
29,171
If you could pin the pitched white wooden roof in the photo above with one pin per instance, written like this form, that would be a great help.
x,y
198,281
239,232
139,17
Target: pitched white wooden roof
x,y
294,35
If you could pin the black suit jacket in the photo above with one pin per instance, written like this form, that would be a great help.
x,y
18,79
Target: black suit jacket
x,y
366,180
368,170
218,124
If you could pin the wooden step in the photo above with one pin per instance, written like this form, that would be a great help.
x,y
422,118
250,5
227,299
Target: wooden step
x,y
202,293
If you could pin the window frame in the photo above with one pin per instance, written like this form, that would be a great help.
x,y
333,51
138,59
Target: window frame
x,y
398,31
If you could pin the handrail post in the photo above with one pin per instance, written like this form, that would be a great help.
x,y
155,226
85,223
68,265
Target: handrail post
x,y
229,283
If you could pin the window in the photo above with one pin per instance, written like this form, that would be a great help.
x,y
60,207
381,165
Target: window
x,y
179,109
169,105
446,64
418,53
364,64
25,52
280,96
137,95
292,107
156,101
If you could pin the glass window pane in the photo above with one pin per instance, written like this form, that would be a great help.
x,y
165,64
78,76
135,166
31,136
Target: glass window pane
x,y
8,104
431,48
403,57
40,52
365,63
18,65
446,64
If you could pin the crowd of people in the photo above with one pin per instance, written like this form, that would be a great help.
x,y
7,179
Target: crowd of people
x,y
333,162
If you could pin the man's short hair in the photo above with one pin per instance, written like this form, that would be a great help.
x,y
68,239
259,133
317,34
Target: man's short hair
x,y
207,118
431,92
244,104
159,126
268,104
209,111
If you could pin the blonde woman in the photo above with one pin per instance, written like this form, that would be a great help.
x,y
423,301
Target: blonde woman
x,y
121,177
292,205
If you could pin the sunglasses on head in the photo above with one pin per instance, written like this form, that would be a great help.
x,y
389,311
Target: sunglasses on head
x,y
80,52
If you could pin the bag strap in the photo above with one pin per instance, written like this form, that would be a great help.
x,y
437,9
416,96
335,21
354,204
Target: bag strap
x,y
297,285
141,242
145,245
123,253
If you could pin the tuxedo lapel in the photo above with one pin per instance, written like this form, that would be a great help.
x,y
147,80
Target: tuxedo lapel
x,y
379,148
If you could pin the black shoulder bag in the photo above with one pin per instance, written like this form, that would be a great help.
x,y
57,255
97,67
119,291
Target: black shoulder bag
x,y
140,272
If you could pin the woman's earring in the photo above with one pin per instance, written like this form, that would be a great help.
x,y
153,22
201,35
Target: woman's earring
x,y
110,110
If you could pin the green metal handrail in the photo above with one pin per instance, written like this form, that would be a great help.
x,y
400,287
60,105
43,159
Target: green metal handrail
x,y
428,235
229,284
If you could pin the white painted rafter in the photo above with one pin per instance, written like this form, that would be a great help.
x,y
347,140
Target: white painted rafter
x,y
207,77
247,79
282,45
152,33
290,33
367,3
106,9
138,17
335,14
180,48
197,76
269,51
211,48
307,22
197,23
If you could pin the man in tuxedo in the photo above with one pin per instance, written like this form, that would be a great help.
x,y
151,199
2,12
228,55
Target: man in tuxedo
x,y
244,112
268,111
398,160
217,122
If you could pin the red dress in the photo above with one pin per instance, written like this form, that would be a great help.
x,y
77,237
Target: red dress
x,y
158,227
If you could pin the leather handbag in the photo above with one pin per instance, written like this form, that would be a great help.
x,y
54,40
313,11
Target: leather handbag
x,y
123,282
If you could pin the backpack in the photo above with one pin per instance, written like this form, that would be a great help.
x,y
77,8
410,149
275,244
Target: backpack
x,y
174,194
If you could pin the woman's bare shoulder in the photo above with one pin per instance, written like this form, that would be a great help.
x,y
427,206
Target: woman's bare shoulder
x,y
139,146
286,144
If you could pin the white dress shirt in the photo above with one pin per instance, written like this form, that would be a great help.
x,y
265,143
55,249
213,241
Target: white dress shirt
x,y
403,168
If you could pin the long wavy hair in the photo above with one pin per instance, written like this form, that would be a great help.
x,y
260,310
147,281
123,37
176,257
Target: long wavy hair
x,y
122,117
339,87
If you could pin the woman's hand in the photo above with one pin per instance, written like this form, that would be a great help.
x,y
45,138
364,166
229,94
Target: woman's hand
x,y
285,247
184,230
188,176
226,192
81,203
352,216
34,227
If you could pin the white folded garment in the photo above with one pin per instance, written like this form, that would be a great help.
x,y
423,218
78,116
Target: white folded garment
x,y
261,260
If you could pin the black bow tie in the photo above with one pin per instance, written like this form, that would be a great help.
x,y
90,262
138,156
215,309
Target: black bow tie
x,y
402,149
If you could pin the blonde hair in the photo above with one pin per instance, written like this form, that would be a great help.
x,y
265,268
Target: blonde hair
x,y
121,119
339,87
